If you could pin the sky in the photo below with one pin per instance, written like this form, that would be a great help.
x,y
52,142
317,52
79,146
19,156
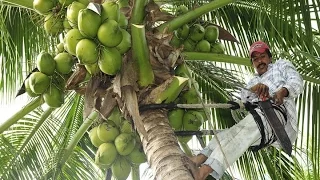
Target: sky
x,y
7,110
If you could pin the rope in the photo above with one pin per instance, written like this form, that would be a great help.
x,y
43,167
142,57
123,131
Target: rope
x,y
188,106
201,106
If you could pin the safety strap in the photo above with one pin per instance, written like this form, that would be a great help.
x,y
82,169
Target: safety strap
x,y
264,141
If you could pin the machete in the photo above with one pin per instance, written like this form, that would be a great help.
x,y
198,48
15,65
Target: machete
x,y
276,125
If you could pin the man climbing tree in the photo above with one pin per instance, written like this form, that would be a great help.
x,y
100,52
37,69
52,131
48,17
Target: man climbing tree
x,y
269,97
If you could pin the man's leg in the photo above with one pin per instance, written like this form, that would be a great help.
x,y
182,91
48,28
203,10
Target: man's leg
x,y
234,142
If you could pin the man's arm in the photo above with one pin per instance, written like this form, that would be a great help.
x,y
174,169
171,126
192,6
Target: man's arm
x,y
294,82
247,94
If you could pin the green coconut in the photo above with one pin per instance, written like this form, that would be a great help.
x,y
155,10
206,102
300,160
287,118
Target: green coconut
x,y
72,38
84,2
189,97
53,24
211,34
72,13
106,154
121,168
182,70
66,2
107,131
137,156
116,117
93,135
66,25
39,82
64,63
88,23
218,48
110,10
203,46
182,9
126,127
59,48
46,63
53,97
123,21
183,32
189,45
175,117
28,89
125,143
109,33
125,43
92,69
87,51
110,61
43,6
175,41
197,32
192,120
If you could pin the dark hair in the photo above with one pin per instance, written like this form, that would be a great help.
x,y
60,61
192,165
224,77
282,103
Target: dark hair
x,y
269,53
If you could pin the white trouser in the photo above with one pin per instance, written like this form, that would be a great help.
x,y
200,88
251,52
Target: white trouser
x,y
236,140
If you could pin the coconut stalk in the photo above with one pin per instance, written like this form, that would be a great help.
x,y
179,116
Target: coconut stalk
x,y
135,174
81,131
43,117
179,21
20,114
216,58
186,149
138,12
141,55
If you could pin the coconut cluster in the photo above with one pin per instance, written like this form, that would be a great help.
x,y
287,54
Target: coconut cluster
x,y
186,119
195,37
119,147
97,39
48,79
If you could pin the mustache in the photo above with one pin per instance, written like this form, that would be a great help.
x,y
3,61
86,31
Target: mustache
x,y
261,65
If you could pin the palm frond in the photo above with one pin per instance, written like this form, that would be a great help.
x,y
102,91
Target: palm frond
x,y
22,39
39,145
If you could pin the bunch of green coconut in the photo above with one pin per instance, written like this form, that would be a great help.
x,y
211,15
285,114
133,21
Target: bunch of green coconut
x,y
186,119
54,12
49,79
97,40
194,37
119,147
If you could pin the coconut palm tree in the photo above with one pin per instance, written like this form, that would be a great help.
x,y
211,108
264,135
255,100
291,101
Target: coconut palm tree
x,y
51,143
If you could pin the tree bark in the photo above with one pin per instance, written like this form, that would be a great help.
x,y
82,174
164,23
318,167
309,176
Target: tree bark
x,y
162,149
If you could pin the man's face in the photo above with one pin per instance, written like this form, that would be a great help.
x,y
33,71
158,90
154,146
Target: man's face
x,y
260,62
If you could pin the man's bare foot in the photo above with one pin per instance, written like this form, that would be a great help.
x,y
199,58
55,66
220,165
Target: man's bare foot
x,y
199,159
203,172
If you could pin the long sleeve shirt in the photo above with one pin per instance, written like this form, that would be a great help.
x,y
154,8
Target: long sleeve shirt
x,y
280,74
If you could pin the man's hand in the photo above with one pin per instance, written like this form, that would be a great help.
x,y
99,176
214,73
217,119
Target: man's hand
x,y
261,90
279,95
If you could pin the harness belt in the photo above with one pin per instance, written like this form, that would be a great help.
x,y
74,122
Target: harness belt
x,y
278,131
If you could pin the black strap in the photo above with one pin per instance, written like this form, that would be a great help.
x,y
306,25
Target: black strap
x,y
264,141
251,108
234,106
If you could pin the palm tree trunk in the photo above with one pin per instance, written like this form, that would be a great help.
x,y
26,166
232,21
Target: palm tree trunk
x,y
162,149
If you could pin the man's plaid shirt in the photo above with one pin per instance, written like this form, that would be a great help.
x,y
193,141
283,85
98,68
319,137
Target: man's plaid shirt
x,y
280,74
